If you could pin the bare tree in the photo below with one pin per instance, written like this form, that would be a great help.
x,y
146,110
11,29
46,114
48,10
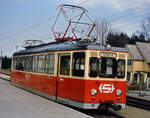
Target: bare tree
x,y
146,27
103,28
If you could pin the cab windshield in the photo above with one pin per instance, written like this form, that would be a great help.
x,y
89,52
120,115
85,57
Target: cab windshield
x,y
106,67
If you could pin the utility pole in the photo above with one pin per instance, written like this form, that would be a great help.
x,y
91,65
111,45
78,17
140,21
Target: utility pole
x,y
17,48
1,59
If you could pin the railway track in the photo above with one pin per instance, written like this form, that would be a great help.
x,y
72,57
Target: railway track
x,y
99,113
137,102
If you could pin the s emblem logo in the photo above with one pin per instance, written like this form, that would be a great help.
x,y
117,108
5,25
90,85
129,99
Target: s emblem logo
x,y
106,88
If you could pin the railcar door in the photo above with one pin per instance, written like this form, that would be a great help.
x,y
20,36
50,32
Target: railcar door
x,y
63,73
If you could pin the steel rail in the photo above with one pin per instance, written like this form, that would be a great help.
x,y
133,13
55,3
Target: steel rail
x,y
137,102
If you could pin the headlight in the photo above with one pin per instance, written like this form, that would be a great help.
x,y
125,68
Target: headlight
x,y
118,92
108,47
93,92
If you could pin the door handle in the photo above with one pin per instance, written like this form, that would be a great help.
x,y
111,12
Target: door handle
x,y
61,79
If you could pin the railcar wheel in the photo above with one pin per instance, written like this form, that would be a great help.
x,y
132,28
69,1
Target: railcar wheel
x,y
103,107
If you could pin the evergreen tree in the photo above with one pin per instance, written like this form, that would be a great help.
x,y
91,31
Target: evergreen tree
x,y
117,40
6,63
121,39
135,38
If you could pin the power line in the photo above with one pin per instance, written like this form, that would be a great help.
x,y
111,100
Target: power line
x,y
27,29
30,27
129,26
128,15
126,25
139,7
83,2
37,24
141,12
45,20
133,17
127,10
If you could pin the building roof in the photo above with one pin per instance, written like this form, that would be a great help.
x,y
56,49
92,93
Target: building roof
x,y
65,46
140,51
134,52
144,49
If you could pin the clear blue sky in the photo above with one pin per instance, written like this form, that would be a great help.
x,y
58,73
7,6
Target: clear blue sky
x,y
17,15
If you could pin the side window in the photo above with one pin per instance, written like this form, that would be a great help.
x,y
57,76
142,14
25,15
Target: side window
x,y
65,65
41,63
121,68
25,63
14,63
22,64
29,62
50,61
93,67
78,64
34,66
19,63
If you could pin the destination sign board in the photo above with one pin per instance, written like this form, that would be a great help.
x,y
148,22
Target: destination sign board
x,y
104,54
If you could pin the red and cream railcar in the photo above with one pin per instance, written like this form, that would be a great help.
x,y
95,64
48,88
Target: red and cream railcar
x,y
80,74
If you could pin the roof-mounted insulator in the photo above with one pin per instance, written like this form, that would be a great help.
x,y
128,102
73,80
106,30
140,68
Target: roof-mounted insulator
x,y
65,39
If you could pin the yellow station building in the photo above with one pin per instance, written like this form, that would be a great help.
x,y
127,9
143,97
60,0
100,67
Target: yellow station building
x,y
139,64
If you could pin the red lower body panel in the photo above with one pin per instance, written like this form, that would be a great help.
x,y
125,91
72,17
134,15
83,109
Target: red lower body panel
x,y
73,89
106,91
42,83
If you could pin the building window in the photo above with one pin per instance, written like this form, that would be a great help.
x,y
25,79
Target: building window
x,y
129,62
78,64
128,76
135,78
65,65
121,68
149,65
50,61
148,74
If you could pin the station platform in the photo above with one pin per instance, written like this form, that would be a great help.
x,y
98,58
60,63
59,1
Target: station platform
x,y
5,77
145,95
18,103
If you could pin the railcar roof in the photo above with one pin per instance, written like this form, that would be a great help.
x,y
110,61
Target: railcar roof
x,y
65,46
